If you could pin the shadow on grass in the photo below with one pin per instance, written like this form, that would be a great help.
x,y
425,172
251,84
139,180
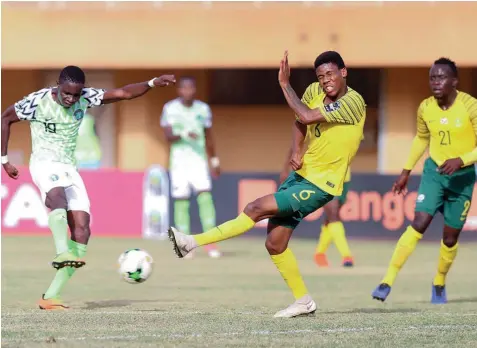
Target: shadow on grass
x,y
114,303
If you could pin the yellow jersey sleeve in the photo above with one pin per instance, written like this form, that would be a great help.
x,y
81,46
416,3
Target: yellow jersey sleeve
x,y
471,106
311,92
422,130
349,109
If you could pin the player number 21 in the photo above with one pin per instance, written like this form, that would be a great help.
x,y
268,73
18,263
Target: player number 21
x,y
445,137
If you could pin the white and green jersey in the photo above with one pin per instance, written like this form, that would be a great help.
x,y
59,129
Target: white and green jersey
x,y
184,120
54,128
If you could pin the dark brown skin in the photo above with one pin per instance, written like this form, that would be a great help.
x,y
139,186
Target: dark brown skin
x,y
443,84
331,79
9,117
67,94
210,147
294,159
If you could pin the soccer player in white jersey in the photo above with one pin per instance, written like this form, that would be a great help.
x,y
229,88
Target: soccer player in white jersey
x,y
187,124
55,115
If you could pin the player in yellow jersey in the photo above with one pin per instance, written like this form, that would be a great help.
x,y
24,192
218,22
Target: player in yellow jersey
x,y
332,230
447,124
335,118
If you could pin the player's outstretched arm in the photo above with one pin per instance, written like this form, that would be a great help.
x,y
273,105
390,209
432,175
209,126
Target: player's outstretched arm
x,y
136,89
302,112
9,116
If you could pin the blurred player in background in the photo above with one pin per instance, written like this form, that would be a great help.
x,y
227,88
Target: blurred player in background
x,y
88,147
447,124
55,115
332,230
187,124
335,117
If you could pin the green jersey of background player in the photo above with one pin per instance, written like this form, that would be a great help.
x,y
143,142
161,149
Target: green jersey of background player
x,y
187,124
55,116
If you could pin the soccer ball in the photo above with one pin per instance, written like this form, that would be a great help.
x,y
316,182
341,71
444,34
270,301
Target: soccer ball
x,y
135,266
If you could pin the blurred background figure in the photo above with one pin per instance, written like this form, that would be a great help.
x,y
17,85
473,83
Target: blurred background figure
x,y
88,148
187,124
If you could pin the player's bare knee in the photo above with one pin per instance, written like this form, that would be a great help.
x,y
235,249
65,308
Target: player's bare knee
x,y
449,241
421,222
333,218
254,210
450,236
81,234
56,199
275,247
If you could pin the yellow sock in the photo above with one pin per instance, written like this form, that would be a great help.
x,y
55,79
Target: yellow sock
x,y
446,258
229,229
324,240
337,232
288,268
404,248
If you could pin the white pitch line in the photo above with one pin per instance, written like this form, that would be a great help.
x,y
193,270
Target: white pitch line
x,y
138,312
155,313
256,333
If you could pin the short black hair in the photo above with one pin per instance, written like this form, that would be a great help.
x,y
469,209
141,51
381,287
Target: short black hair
x,y
330,57
187,78
72,74
449,63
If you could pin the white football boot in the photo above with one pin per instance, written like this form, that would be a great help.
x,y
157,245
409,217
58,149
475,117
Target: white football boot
x,y
182,243
302,306
190,255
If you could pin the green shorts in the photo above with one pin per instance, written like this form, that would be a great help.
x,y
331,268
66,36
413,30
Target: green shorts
x,y
451,195
296,198
342,198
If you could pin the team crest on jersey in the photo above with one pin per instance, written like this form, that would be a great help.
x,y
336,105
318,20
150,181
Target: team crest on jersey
x,y
200,118
54,177
79,114
332,106
458,123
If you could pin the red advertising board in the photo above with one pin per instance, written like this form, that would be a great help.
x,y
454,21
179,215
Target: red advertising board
x,y
116,203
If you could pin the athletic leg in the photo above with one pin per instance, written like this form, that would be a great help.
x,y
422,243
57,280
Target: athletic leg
x,y
460,187
430,199
255,211
78,220
205,202
277,245
324,241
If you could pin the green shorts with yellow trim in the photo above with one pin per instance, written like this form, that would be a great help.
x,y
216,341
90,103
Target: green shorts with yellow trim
x,y
296,198
451,195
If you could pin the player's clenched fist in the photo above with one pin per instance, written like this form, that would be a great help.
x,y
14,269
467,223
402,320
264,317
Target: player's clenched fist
x,y
11,170
296,161
165,80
